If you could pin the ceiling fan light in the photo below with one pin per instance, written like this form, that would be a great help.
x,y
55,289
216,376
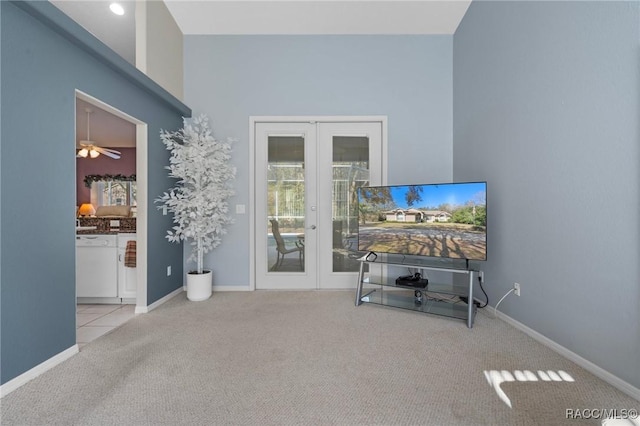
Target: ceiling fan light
x,y
93,153
83,152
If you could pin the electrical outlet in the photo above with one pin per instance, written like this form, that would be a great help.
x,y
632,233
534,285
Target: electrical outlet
x,y
516,288
169,270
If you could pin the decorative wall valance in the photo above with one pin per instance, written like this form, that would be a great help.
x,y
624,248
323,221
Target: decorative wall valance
x,y
89,179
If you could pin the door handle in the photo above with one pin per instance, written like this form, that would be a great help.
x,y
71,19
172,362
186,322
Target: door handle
x,y
312,227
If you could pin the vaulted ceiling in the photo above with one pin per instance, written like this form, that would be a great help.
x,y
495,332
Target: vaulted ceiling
x,y
255,17
318,16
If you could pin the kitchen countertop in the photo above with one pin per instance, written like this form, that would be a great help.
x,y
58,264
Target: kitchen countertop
x,y
102,232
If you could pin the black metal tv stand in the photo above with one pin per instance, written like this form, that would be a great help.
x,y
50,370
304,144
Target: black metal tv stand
x,y
379,289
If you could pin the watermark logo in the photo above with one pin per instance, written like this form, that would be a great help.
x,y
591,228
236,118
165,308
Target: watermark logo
x,y
609,416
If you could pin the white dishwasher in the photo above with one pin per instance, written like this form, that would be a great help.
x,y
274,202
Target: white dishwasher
x,y
96,265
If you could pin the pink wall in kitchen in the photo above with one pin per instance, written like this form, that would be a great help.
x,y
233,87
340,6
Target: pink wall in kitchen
x,y
102,165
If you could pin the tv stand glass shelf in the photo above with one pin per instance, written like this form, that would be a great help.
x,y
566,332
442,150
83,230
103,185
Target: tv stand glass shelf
x,y
436,298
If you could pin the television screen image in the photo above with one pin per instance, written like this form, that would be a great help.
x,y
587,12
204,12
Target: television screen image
x,y
435,220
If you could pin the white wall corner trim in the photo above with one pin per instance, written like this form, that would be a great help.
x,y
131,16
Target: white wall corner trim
x,y
29,375
147,309
599,372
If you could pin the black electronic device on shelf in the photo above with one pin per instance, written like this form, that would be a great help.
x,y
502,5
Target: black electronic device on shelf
x,y
413,281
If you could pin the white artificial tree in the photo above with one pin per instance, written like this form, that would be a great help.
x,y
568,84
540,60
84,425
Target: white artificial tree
x,y
201,163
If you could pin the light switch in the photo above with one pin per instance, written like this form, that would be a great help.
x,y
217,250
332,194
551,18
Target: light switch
x,y
240,209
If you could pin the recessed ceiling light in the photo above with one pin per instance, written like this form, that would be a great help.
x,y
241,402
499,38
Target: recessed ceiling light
x,y
116,8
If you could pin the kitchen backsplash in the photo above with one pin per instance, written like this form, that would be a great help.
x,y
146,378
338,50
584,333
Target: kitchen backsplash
x,y
108,224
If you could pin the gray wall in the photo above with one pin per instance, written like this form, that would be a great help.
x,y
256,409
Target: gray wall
x,y
40,71
407,78
546,107
164,45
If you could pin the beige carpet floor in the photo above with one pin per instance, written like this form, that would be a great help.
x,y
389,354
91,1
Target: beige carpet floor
x,y
305,358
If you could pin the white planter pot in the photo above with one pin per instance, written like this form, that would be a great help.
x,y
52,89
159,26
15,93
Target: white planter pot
x,y
199,286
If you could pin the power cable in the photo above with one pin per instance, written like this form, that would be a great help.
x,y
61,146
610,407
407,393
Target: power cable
x,y
495,310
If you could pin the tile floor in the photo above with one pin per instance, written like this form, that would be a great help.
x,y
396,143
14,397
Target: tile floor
x,y
94,321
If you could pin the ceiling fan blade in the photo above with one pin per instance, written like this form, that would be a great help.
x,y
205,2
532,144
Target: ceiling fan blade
x,y
112,155
108,152
115,156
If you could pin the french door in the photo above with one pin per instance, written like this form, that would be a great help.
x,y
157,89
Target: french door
x,y
306,211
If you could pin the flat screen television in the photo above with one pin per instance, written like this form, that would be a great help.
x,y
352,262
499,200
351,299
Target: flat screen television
x,y
444,220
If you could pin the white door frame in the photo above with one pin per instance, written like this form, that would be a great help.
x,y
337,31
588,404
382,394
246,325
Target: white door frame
x,y
141,188
252,165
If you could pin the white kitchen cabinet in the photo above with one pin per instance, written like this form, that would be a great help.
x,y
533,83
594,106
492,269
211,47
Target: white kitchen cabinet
x,y
96,266
127,277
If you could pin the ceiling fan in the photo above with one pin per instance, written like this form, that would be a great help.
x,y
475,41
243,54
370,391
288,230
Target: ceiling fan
x,y
89,148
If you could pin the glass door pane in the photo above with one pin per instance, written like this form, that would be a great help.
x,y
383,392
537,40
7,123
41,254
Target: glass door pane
x,y
350,169
349,156
285,187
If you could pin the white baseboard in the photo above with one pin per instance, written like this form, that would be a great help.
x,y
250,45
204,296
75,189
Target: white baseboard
x,y
147,309
230,288
226,288
29,375
603,374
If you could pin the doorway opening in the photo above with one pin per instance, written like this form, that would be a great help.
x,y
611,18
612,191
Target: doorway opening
x,y
111,233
